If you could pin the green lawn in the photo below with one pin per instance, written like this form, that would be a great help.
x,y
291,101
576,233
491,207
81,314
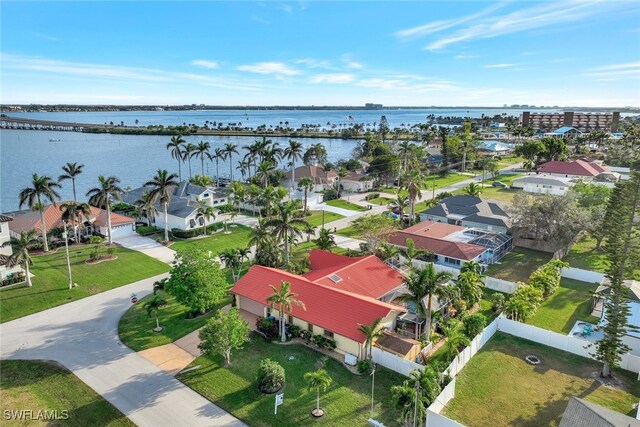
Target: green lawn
x,y
136,328
347,402
502,195
444,181
340,203
316,218
43,386
510,160
585,255
380,201
570,303
498,388
349,232
50,282
238,237
518,265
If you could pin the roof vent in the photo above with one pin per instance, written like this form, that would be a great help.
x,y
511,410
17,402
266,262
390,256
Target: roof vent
x,y
335,278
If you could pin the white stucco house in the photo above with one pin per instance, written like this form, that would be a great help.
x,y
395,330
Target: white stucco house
x,y
5,251
183,206
543,184
356,182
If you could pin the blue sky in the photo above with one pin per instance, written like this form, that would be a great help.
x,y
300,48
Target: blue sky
x,y
583,53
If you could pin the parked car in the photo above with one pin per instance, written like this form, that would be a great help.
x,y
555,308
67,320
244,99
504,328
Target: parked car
x,y
498,184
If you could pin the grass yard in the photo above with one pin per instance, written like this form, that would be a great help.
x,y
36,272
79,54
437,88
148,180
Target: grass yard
x,y
43,386
445,181
498,388
585,255
238,237
136,328
510,160
340,203
347,402
50,282
380,201
316,217
301,251
518,265
349,232
570,303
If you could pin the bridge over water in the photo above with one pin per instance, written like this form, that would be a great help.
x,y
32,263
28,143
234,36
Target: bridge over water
x,y
7,122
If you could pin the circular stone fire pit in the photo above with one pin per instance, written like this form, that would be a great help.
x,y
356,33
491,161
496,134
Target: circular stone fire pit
x,y
532,360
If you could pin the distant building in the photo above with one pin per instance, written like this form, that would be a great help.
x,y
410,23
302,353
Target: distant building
x,y
370,106
566,132
584,122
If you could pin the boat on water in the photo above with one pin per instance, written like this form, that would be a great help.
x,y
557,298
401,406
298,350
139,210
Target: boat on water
x,y
54,140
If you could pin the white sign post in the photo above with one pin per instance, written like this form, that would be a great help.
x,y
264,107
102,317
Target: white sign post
x,y
279,401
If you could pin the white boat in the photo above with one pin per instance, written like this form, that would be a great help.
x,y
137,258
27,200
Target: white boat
x,y
54,140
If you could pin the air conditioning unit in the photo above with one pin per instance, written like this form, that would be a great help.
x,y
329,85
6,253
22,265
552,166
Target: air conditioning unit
x,y
350,359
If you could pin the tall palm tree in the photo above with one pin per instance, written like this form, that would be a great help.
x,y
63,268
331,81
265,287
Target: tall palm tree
x,y
207,213
217,155
371,332
286,223
258,234
404,149
147,204
176,151
232,260
270,196
153,307
187,154
42,187
229,150
20,253
292,153
473,189
264,171
306,184
253,151
421,284
283,300
161,185
272,153
413,181
317,381
101,196
71,171
202,151
74,213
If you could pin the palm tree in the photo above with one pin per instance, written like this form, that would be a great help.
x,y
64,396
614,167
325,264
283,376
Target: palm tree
x,y
232,260
229,149
410,252
153,307
471,266
325,240
217,155
176,151
269,196
20,253
283,300
456,339
306,184
147,204
472,189
75,213
317,381
264,171
42,187
207,213
160,190
286,223
413,181
404,149
399,204
421,284
342,173
292,153
310,231
258,234
101,197
202,151
371,332
187,153
71,171
253,151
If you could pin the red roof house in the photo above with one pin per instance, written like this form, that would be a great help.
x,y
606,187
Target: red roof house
x,y
578,168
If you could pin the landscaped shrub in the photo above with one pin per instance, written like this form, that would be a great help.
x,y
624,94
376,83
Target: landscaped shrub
x,y
305,335
547,277
523,302
331,194
473,324
270,376
226,208
295,331
187,234
15,278
364,366
145,230
372,196
497,302
324,342
269,327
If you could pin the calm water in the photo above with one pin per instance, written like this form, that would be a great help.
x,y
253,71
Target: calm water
x,y
134,159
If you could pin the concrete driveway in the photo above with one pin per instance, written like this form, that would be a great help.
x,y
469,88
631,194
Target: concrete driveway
x,y
83,336
147,246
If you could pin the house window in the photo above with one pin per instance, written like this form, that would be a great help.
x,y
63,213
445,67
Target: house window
x,y
328,334
310,327
205,195
215,202
267,311
452,261
290,319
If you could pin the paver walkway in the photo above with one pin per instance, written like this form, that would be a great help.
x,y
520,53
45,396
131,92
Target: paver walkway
x,y
83,337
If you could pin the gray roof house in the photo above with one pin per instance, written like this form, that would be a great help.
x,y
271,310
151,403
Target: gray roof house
x,y
469,211
580,413
183,206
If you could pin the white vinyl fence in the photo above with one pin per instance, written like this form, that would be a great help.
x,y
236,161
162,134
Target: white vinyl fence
x,y
444,397
582,275
474,346
490,282
436,420
394,362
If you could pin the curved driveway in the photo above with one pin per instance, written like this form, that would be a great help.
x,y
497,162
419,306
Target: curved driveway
x,y
83,336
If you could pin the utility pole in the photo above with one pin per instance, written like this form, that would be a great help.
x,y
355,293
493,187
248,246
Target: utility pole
x,y
373,381
323,218
415,411
66,248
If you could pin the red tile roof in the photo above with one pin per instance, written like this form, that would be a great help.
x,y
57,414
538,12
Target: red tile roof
x,y
362,275
578,167
335,310
30,220
430,235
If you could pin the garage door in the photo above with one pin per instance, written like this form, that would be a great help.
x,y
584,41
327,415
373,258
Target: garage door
x,y
251,306
125,230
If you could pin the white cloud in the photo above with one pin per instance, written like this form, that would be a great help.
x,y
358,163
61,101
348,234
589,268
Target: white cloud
x,y
616,72
466,56
504,65
277,68
205,63
349,62
314,63
332,78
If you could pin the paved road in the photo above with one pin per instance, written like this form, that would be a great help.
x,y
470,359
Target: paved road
x,y
83,336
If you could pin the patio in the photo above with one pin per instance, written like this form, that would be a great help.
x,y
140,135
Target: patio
x,y
586,331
